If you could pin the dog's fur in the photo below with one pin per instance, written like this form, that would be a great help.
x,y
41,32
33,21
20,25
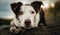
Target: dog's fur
x,y
26,12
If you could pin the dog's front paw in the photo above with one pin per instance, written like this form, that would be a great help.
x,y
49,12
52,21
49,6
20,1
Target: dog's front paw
x,y
14,29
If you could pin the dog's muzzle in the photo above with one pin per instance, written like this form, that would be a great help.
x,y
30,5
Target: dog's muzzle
x,y
27,23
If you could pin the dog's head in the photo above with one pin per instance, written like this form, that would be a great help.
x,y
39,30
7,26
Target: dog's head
x,y
27,14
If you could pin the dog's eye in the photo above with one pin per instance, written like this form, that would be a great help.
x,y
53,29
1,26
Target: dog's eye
x,y
20,13
32,12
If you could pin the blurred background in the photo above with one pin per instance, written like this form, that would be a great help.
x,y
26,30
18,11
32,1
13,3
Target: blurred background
x,y
51,9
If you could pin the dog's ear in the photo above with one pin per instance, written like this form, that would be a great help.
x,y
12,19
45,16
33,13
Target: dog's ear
x,y
16,6
36,4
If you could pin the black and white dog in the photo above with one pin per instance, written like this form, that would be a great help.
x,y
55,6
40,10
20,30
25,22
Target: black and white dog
x,y
27,15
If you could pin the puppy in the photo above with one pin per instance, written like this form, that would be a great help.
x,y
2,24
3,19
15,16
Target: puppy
x,y
26,15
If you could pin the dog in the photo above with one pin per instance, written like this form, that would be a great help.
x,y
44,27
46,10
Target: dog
x,y
26,16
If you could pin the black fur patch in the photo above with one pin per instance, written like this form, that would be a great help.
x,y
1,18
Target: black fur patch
x,y
16,7
36,5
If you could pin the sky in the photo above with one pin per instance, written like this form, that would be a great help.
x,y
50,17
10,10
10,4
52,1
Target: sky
x,y
5,9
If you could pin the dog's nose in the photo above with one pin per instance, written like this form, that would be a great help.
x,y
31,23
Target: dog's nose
x,y
27,22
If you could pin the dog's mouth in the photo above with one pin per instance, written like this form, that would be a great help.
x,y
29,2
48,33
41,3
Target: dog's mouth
x,y
27,23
